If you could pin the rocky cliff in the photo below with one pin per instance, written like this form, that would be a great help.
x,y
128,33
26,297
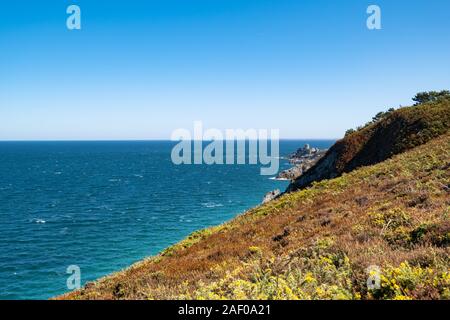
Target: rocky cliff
x,y
392,133
302,159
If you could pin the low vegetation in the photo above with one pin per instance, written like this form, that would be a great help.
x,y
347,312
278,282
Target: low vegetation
x,y
378,232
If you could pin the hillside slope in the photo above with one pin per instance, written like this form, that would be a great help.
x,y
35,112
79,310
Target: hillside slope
x,y
316,243
395,132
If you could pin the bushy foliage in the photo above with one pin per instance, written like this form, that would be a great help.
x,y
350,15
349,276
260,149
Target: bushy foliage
x,y
407,282
380,115
431,96
318,272
419,98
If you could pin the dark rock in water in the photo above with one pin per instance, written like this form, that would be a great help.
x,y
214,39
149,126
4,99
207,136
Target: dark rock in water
x,y
271,195
302,159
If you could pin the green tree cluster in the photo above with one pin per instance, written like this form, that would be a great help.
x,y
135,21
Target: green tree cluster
x,y
431,96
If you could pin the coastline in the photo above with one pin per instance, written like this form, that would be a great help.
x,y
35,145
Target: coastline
x,y
217,250
315,241
140,262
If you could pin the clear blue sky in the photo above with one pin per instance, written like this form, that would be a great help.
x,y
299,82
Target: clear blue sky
x,y
140,69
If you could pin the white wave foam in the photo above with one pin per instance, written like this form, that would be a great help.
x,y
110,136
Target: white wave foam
x,y
278,179
212,204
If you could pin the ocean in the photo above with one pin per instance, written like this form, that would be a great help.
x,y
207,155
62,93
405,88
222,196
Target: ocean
x,y
104,205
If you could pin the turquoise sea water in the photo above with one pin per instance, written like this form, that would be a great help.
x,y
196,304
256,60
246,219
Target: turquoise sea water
x,y
104,205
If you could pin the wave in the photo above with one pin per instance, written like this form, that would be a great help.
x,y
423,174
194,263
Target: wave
x,y
278,179
212,204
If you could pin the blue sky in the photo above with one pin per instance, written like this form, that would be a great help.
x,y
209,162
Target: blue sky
x,y
141,69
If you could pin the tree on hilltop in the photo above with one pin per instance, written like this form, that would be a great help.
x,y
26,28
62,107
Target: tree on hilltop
x,y
430,96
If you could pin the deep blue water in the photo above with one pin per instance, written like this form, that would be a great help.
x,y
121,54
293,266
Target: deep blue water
x,y
104,205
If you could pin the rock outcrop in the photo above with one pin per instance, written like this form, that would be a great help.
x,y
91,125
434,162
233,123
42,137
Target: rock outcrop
x,y
302,159
271,195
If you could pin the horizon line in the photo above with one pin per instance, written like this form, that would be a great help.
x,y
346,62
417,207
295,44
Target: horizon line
x,y
150,140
